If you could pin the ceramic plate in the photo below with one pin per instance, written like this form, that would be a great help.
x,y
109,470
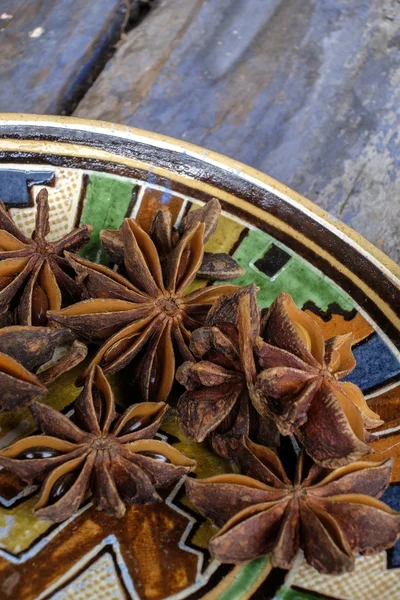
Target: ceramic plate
x,y
99,173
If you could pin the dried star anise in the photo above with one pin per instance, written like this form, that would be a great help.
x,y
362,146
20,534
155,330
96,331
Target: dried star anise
x,y
34,275
222,401
145,312
301,381
214,267
18,387
31,357
112,456
331,516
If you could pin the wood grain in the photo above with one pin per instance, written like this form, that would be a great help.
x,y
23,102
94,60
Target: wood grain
x,y
51,51
306,91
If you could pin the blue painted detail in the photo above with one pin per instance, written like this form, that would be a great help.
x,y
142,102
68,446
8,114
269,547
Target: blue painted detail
x,y
15,185
376,364
392,497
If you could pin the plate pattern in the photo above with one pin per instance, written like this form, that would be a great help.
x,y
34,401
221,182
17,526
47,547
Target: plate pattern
x,y
162,553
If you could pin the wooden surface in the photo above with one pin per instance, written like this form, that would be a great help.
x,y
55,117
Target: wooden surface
x,y
50,50
307,91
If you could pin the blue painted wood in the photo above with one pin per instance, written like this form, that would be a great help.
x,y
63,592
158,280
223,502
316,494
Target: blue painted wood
x,y
50,50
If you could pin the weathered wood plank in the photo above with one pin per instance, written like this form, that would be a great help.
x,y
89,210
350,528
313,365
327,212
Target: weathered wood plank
x,y
129,75
306,91
51,51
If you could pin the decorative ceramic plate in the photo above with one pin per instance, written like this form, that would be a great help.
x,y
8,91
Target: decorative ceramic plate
x,y
99,173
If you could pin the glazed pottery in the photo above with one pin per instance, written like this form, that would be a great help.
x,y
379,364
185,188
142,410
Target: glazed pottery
x,y
99,173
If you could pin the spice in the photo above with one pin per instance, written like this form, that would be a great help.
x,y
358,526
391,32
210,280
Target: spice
x,y
331,516
145,317
222,401
114,457
300,379
18,387
214,267
32,357
34,274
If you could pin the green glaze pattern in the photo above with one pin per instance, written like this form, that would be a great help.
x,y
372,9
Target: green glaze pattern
x,y
286,593
106,204
245,579
297,277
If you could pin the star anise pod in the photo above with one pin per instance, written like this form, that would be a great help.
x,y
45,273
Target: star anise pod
x,y
18,387
114,457
145,312
222,400
331,516
301,381
32,357
34,275
215,266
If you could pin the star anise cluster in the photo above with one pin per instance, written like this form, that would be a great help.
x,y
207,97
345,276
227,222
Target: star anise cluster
x,y
288,372
113,457
331,516
292,377
246,378
34,273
